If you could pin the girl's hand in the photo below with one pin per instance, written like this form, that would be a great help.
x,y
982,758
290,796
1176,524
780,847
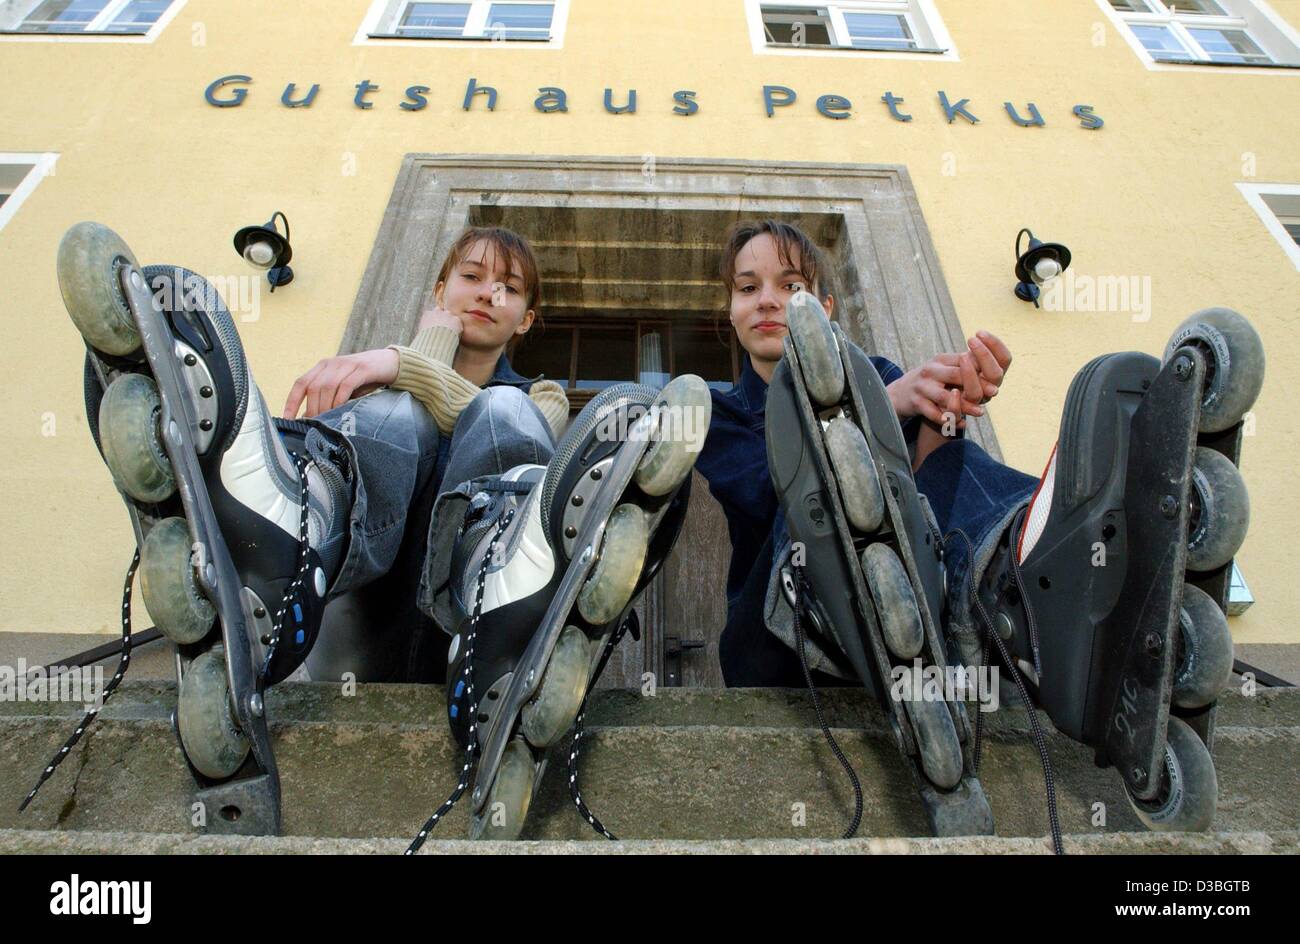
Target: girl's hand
x,y
947,383
336,380
434,315
992,357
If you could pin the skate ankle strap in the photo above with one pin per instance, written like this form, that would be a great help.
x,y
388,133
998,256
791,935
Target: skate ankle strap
x,y
291,426
517,488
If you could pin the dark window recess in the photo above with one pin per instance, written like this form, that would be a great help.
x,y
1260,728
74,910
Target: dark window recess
x,y
546,349
588,354
797,26
606,356
707,353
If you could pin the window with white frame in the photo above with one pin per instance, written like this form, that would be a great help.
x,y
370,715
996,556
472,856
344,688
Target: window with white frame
x,y
472,19
1209,32
20,174
83,17
1278,207
879,25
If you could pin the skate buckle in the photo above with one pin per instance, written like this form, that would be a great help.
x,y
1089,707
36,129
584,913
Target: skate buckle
x,y
787,585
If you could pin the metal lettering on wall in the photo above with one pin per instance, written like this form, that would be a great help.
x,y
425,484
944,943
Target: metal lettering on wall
x,y
230,91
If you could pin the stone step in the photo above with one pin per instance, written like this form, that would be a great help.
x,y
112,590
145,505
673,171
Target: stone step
x,y
684,765
91,842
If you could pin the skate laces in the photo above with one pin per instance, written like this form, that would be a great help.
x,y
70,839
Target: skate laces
x,y
575,794
800,585
300,462
123,664
471,751
991,636
124,660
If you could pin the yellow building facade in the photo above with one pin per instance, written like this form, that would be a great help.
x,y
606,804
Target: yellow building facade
x,y
1172,183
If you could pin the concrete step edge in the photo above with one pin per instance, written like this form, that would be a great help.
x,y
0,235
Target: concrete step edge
x,y
420,706
13,841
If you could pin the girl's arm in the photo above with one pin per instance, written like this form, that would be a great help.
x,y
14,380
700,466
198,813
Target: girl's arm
x,y
425,375
425,370
948,388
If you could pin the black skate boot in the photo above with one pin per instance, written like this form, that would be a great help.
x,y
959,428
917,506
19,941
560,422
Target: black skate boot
x,y
1109,590
841,470
238,540
545,571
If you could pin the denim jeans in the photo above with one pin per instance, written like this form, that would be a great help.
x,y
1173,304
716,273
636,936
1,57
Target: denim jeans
x,y
967,489
972,492
398,463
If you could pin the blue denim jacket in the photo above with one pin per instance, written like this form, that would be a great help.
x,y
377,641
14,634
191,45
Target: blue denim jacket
x,y
504,375
734,461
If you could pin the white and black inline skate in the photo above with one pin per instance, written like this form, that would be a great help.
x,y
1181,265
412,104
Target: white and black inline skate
x,y
871,589
1109,591
237,538
544,574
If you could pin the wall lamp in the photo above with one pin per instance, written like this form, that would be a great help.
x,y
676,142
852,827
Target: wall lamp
x,y
1040,262
264,248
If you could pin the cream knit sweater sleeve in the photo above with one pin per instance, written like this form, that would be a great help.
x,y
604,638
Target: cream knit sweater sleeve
x,y
424,368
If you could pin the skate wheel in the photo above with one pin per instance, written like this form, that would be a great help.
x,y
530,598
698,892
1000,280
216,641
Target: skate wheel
x,y
130,439
613,580
685,407
507,804
1190,787
1204,651
900,617
855,472
171,594
212,739
90,257
552,709
814,341
1220,511
936,739
1234,363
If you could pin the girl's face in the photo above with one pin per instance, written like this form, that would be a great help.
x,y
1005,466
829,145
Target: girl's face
x,y
486,291
760,290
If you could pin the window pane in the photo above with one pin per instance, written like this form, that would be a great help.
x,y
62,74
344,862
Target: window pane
x,y
652,365
1131,6
1200,7
519,21
137,16
1228,45
3,198
1161,42
798,26
878,31
545,350
1292,228
704,353
63,16
433,19
606,355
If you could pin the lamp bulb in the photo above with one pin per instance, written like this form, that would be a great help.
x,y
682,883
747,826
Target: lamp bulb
x,y
260,254
1046,268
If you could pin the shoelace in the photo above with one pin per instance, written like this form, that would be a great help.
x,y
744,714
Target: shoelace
x,y
799,584
124,660
300,463
471,751
991,635
614,639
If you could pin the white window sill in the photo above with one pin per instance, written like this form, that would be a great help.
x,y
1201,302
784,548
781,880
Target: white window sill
x,y
927,55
